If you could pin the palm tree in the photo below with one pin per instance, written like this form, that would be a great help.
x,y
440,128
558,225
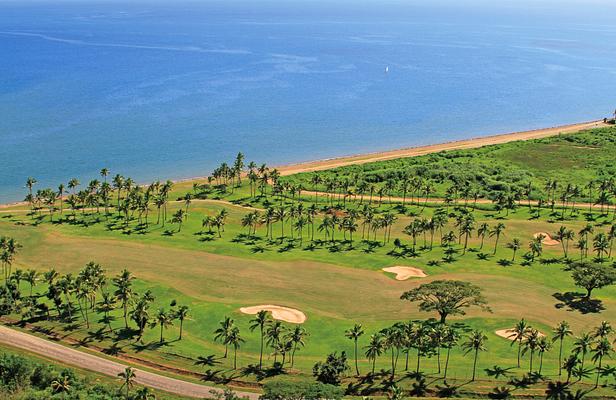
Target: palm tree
x,y
234,339
261,320
496,232
107,304
514,245
181,315
62,384
564,235
475,343
31,276
128,377
164,320
543,346
603,330
178,218
561,331
354,334
601,245
531,345
482,231
274,334
451,340
602,349
581,345
374,349
520,330
222,334
60,194
297,337
124,292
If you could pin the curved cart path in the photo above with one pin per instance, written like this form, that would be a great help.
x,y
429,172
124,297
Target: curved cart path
x,y
104,366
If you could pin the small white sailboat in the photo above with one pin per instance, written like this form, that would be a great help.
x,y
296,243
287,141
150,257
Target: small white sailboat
x,y
387,69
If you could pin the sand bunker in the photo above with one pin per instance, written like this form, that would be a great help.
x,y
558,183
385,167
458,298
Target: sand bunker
x,y
404,273
509,334
547,240
282,313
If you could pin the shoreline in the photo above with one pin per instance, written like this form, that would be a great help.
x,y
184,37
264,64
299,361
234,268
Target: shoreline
x,y
363,158
471,143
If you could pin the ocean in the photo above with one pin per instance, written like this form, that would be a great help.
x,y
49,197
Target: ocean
x,y
169,89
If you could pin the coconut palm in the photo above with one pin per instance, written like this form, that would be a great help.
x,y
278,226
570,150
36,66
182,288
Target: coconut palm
x,y
62,384
178,218
603,330
602,349
31,276
128,380
260,321
514,245
531,345
601,246
543,346
564,235
181,314
519,332
475,343
482,231
107,304
297,337
354,334
234,339
374,349
222,333
581,346
561,331
496,232
274,334
164,320
124,292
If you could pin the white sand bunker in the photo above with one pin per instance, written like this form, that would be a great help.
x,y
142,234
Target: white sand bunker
x,y
510,333
278,312
547,240
404,273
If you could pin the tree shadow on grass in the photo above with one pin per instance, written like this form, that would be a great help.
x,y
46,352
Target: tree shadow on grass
x,y
578,302
263,373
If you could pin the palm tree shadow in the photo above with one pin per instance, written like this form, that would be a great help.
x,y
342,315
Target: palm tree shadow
x,y
578,302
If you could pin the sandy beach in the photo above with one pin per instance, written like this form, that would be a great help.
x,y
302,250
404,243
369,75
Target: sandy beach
x,y
320,165
421,150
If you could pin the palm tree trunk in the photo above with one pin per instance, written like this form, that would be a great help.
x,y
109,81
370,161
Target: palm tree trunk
x,y
560,357
356,366
475,364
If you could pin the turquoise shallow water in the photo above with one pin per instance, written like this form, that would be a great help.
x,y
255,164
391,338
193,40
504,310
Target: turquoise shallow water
x,y
168,90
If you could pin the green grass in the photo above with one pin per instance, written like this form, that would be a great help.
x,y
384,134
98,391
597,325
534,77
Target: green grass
x,y
335,285
570,158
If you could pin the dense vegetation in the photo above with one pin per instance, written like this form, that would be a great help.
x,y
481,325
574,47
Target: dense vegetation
x,y
25,378
253,213
544,170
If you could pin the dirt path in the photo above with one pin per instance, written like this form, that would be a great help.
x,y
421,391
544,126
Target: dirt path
x,y
418,151
419,201
104,366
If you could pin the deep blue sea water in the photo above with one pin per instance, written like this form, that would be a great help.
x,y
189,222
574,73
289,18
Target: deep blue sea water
x,y
169,89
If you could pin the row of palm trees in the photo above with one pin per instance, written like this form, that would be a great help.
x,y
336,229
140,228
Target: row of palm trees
x,y
418,190
428,339
283,341
130,199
